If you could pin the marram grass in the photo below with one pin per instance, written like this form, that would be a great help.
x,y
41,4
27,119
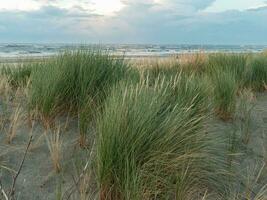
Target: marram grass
x,y
169,67
189,90
256,74
225,91
17,75
235,64
150,148
73,79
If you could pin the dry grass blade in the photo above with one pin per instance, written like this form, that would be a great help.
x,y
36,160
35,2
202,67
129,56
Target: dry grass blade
x,y
55,144
3,191
14,124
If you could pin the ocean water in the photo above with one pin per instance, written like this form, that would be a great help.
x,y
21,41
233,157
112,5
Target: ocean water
x,y
42,50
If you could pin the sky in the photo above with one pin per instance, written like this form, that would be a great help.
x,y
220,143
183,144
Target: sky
x,y
134,21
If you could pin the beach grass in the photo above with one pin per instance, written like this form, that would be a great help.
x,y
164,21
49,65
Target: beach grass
x,y
54,143
148,147
225,94
17,75
234,64
73,79
256,74
166,128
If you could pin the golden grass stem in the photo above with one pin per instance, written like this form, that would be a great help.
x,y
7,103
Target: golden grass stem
x,y
55,144
14,124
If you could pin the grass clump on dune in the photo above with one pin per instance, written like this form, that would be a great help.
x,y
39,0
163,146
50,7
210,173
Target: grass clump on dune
x,y
234,64
225,89
153,69
195,62
169,67
69,79
44,89
74,81
17,76
227,74
148,148
256,75
189,90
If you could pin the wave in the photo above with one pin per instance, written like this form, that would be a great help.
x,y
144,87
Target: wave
x,y
13,50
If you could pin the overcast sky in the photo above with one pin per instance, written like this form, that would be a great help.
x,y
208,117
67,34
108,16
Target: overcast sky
x,y
134,21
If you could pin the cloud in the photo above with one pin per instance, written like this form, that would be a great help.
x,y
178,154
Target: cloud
x,y
49,23
192,25
195,5
263,8
151,21
181,7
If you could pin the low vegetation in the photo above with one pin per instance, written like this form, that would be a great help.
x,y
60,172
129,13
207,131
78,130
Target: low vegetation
x,y
149,147
17,75
72,78
149,129
225,90
54,143
77,80
234,64
256,73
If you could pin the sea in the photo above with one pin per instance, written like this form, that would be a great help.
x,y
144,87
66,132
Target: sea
x,y
18,50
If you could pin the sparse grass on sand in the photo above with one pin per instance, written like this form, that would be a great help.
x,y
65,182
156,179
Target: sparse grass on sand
x,y
54,143
169,128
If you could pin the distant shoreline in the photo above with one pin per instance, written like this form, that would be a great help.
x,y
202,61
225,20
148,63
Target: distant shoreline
x,y
31,52
34,58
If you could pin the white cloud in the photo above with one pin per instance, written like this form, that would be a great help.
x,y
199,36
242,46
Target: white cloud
x,y
151,21
240,5
106,7
19,5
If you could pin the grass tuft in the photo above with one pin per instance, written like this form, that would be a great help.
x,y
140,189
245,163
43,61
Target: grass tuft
x,y
256,75
14,124
234,64
79,80
55,145
17,75
225,89
148,147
